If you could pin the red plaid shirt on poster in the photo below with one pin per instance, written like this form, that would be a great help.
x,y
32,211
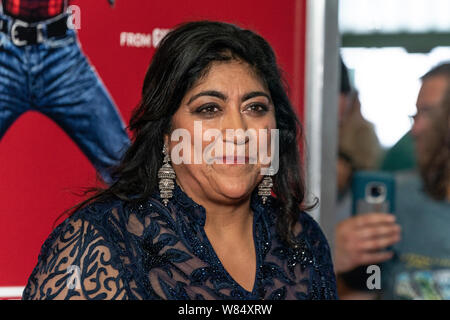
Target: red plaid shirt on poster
x,y
34,10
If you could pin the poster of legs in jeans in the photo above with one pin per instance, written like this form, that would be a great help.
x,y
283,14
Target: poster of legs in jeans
x,y
43,69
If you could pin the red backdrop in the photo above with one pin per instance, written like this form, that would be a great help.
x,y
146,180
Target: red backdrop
x,y
41,168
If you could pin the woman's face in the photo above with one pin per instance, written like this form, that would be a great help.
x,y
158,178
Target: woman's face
x,y
229,96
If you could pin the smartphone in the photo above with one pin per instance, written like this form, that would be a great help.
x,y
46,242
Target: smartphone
x,y
373,191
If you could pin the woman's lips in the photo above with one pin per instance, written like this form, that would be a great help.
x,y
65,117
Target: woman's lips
x,y
234,160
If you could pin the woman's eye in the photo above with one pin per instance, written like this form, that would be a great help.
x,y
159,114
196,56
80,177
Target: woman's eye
x,y
208,109
258,108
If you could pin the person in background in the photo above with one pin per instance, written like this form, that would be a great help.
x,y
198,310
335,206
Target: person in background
x,y
420,264
357,137
345,166
359,147
357,238
42,68
402,155
420,268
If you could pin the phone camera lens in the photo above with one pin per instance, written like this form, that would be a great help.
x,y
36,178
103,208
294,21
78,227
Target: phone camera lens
x,y
376,191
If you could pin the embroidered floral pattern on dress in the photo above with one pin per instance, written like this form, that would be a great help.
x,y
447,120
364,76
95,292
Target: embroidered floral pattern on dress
x,y
149,251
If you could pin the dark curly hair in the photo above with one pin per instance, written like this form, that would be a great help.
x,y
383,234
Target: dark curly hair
x,y
185,55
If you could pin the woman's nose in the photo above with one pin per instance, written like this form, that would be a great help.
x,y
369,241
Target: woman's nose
x,y
235,123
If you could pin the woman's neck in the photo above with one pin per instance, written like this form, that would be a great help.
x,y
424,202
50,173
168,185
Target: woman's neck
x,y
223,219
229,221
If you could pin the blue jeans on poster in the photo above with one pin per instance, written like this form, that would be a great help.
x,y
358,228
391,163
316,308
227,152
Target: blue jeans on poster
x,y
56,79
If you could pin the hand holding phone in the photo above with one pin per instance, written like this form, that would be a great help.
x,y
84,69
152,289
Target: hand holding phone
x,y
367,237
363,239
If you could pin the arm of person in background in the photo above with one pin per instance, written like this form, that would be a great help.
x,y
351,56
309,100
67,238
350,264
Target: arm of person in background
x,y
360,240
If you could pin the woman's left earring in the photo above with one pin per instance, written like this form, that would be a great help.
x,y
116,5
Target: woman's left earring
x,y
265,187
166,176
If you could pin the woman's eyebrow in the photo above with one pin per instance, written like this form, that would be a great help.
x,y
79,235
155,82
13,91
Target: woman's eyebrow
x,y
220,95
254,94
211,93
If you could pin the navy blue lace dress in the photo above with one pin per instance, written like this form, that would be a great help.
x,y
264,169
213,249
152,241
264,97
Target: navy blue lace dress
x,y
147,251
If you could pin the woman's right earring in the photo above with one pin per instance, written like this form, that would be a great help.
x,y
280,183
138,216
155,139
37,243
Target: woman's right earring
x,y
166,176
265,187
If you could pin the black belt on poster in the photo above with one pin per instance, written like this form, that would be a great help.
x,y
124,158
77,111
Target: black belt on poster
x,y
23,33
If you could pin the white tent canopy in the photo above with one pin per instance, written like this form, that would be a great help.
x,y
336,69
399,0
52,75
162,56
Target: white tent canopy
x,y
394,16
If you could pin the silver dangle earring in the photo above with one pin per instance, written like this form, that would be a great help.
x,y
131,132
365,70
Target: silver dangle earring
x,y
166,176
265,187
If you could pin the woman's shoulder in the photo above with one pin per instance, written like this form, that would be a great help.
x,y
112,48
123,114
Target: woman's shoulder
x,y
114,212
324,280
93,218
87,246
309,232
309,227
311,250
116,220
305,227
308,235
86,225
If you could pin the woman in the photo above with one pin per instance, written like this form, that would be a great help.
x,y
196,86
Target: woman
x,y
172,229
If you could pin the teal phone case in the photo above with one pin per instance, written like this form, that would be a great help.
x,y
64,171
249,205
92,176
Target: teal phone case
x,y
373,191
